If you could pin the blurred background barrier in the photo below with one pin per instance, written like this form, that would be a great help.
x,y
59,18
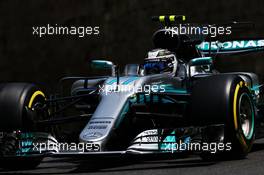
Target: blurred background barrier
x,y
125,34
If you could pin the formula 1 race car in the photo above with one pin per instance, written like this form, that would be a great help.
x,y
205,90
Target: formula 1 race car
x,y
176,102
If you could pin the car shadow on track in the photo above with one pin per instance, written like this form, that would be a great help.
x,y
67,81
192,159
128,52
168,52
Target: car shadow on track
x,y
142,163
257,147
119,164
135,164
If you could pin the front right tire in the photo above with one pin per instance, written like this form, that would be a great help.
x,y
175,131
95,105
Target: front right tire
x,y
21,107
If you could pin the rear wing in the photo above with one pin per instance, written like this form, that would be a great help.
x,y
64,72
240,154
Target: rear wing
x,y
231,47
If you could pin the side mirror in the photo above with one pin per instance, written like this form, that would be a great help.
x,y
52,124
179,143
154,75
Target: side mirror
x,y
200,66
102,64
201,61
106,65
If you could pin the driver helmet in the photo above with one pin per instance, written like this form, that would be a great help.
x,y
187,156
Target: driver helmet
x,y
159,61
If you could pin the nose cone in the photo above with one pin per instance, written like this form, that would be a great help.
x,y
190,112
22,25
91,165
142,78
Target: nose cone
x,y
107,115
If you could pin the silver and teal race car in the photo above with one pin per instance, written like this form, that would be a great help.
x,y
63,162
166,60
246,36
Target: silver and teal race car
x,y
174,103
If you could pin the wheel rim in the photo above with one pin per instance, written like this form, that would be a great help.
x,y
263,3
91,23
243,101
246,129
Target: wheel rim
x,y
37,95
36,106
246,115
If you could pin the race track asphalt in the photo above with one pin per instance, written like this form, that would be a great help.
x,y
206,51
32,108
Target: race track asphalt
x,y
253,164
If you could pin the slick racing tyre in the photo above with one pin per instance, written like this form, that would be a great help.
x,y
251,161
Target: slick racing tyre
x,y
225,99
21,106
